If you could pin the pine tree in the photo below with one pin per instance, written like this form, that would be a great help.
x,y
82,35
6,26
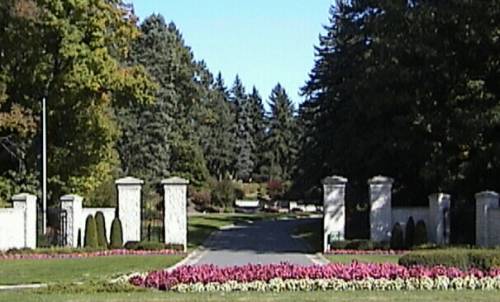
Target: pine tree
x,y
283,134
258,117
91,233
147,129
219,137
244,164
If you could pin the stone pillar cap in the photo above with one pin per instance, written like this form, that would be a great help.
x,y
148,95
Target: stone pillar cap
x,y
129,181
70,197
379,179
334,180
175,181
22,196
487,194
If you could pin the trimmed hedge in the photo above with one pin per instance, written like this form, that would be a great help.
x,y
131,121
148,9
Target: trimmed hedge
x,y
90,233
116,241
420,234
101,230
410,233
461,258
358,244
397,239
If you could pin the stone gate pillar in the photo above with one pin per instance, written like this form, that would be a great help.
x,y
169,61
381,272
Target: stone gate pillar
x,y
484,201
72,205
333,209
439,221
175,218
129,207
381,208
27,202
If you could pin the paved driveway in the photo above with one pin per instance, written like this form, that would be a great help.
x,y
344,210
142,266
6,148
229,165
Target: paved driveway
x,y
264,242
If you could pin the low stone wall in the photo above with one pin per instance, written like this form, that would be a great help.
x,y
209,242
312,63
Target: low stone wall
x,y
18,224
402,214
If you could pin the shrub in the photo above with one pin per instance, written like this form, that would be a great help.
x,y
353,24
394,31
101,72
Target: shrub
x,y
102,241
224,193
420,233
397,240
358,244
90,233
461,258
116,234
409,233
275,189
201,198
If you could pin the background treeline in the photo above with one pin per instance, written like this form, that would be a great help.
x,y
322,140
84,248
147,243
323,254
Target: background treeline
x,y
407,89
126,98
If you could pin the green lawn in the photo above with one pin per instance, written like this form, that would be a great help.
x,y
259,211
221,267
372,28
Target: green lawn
x,y
74,270
359,296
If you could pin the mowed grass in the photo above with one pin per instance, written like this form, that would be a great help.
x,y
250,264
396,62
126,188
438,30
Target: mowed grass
x,y
77,270
358,296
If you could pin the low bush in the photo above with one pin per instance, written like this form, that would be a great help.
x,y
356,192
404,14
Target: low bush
x,y
116,241
461,258
397,239
420,234
223,193
409,233
91,233
152,246
358,244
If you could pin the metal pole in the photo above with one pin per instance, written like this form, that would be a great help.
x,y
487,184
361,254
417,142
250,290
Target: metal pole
x,y
44,166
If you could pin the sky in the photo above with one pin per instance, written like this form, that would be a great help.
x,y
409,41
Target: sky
x,y
263,41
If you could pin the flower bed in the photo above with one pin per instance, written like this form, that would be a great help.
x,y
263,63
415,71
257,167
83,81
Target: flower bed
x,y
83,254
366,252
337,277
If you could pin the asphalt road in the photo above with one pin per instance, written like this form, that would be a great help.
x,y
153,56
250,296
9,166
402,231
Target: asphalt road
x,y
264,242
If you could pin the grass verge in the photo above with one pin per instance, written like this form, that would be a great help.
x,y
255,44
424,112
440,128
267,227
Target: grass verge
x,y
359,296
79,270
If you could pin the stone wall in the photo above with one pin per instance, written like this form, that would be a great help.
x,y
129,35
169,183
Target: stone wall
x,y
494,225
402,214
18,224
382,215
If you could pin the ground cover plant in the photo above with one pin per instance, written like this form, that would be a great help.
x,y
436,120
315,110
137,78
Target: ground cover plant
x,y
336,277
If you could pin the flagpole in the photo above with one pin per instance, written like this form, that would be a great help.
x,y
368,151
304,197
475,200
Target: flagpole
x,y
44,166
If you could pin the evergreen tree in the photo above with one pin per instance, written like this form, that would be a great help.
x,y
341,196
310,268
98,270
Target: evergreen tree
x,y
219,137
245,146
258,117
147,130
283,135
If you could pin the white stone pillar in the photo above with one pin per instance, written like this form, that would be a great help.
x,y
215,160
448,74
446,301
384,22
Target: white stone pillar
x,y
439,205
175,218
27,202
129,207
333,209
484,201
381,208
72,205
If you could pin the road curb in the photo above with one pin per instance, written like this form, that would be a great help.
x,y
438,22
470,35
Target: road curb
x,y
22,286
